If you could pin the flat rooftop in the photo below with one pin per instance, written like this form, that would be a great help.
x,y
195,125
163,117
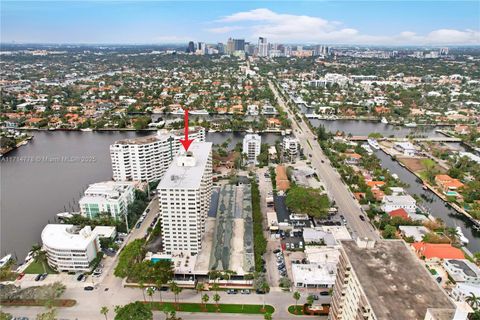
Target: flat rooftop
x,y
160,136
394,281
183,175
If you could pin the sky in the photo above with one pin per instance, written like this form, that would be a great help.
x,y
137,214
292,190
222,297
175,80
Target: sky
x,y
385,22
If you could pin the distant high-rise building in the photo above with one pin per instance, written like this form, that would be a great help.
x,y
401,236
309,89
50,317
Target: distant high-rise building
x,y
202,48
147,158
230,46
251,147
184,195
249,48
221,48
262,47
384,280
239,44
191,47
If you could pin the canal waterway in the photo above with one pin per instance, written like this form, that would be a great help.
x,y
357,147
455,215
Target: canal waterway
x,y
50,173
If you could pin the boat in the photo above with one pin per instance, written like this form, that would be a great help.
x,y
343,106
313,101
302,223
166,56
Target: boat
x,y
5,260
373,143
199,112
250,130
367,148
86,130
461,236
411,125
64,215
384,120
52,129
424,187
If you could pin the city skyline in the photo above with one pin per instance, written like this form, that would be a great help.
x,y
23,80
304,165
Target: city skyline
x,y
162,22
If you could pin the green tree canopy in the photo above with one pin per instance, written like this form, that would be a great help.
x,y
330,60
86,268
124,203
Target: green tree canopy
x,y
134,311
308,201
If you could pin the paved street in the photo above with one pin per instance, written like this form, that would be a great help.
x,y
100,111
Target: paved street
x,y
337,190
89,303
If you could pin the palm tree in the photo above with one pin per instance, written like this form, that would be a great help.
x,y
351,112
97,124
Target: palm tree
x,y
39,255
141,284
310,299
267,316
159,284
205,299
216,298
175,289
199,287
215,287
150,292
104,310
296,296
265,288
473,301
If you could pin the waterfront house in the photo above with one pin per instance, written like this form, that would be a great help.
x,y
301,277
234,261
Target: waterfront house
x,y
281,178
415,232
407,148
406,202
448,184
437,251
462,270
352,158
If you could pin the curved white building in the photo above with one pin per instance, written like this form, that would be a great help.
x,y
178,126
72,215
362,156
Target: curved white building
x,y
147,158
70,248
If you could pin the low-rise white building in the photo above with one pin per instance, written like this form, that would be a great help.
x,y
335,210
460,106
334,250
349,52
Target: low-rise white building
x,y
415,232
464,290
407,202
111,197
462,270
251,147
70,248
407,148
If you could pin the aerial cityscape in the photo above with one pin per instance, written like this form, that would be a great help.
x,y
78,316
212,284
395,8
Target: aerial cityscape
x,y
236,160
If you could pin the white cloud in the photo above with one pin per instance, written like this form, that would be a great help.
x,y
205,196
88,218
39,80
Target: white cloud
x,y
302,28
225,29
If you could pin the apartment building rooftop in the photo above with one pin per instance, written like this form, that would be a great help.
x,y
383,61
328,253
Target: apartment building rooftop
x,y
395,283
186,170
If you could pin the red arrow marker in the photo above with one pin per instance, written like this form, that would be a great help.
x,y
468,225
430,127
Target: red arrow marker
x,y
186,142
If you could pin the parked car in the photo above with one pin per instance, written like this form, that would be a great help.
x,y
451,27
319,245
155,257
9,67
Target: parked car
x,y
38,277
232,291
80,277
20,275
245,291
43,276
362,217
277,251
324,293
88,288
138,225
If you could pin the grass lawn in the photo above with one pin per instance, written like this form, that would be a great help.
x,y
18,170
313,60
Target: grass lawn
x,y
211,307
36,267
291,309
37,303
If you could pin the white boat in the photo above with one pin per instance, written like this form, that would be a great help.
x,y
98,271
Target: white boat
x,y
250,130
384,120
374,144
202,112
411,125
461,236
367,148
86,130
5,260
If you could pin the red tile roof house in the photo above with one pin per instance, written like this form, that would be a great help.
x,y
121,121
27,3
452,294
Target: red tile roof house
x,y
448,184
399,213
437,251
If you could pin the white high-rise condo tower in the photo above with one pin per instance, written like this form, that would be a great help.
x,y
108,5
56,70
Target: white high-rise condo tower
x,y
184,195
147,158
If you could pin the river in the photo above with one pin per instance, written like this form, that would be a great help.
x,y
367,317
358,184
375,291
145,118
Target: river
x,y
435,205
49,175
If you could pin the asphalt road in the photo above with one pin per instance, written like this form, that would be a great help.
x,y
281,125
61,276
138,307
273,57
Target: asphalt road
x,y
336,189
